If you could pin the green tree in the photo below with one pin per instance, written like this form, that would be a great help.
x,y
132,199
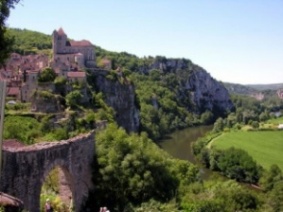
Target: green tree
x,y
24,129
73,98
271,177
218,125
237,164
276,197
255,124
47,75
207,117
5,41
60,85
136,169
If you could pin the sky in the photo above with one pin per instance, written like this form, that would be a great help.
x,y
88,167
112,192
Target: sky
x,y
236,41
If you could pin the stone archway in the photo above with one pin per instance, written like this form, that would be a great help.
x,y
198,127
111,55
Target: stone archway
x,y
58,182
25,168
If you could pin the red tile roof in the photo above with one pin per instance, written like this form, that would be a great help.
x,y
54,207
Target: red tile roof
x,y
81,43
12,91
76,74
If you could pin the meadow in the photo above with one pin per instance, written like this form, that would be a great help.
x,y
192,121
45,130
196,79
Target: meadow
x,y
266,147
276,121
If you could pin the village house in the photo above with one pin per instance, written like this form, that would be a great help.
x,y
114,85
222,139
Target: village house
x,y
21,73
69,60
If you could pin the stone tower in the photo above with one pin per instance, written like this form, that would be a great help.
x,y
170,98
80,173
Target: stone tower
x,y
81,52
59,41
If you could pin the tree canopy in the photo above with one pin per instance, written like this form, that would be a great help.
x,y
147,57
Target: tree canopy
x,y
30,42
47,75
5,40
136,169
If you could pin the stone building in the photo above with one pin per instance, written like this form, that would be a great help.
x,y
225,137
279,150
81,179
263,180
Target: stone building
x,y
76,53
69,59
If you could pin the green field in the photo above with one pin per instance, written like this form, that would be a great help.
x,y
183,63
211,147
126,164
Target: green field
x,y
265,147
276,121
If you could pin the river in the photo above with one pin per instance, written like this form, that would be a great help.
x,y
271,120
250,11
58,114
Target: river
x,y
179,144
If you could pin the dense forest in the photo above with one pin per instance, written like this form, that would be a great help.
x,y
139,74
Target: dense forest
x,y
130,172
29,42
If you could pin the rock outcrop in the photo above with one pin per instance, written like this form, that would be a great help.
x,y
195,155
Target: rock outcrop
x,y
204,92
207,93
46,102
121,97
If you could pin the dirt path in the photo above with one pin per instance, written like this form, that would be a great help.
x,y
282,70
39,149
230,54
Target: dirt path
x,y
214,139
65,192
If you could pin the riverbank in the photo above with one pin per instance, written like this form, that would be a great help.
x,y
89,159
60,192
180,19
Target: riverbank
x,y
179,143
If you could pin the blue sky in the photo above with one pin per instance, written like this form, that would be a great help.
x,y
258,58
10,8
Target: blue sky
x,y
236,41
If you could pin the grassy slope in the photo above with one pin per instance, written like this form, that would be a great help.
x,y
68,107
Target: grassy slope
x,y
265,147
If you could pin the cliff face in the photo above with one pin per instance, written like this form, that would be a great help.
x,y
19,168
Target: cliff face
x,y
207,93
195,83
195,89
121,97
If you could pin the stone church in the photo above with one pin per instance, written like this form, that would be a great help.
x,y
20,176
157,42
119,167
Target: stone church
x,y
81,53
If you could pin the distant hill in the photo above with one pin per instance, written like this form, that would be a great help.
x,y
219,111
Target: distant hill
x,y
251,89
234,88
264,92
262,87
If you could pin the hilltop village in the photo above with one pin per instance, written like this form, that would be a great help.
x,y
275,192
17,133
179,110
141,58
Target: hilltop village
x,y
69,59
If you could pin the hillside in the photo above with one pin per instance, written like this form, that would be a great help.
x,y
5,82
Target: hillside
x,y
269,94
29,42
171,93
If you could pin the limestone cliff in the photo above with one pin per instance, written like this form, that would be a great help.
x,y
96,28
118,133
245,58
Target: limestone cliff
x,y
195,83
207,93
121,97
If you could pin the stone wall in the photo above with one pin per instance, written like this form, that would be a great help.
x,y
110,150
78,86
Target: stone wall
x,y
46,104
25,168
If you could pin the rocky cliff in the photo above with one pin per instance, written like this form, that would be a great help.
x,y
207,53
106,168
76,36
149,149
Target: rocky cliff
x,y
121,97
196,84
207,93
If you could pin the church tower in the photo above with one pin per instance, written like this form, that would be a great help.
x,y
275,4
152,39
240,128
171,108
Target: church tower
x,y
59,40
